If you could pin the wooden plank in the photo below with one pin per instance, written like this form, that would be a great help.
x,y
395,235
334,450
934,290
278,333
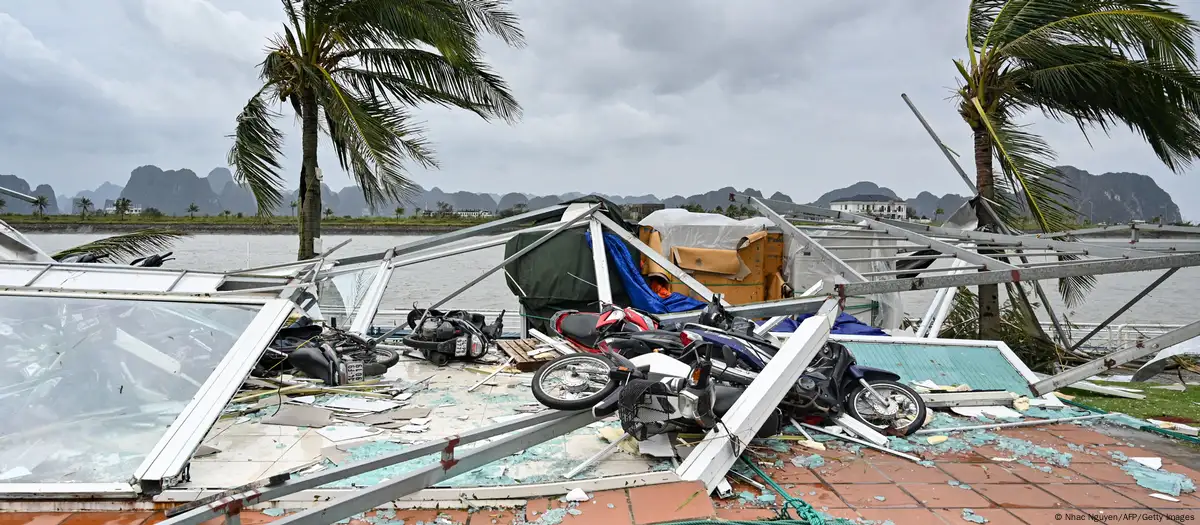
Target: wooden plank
x,y
520,349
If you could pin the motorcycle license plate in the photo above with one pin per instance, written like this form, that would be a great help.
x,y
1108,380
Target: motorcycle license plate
x,y
460,346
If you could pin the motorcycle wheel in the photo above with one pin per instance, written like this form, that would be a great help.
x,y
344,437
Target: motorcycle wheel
x,y
582,382
387,358
910,408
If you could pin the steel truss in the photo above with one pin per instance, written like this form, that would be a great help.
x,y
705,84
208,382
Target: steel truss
x,y
964,248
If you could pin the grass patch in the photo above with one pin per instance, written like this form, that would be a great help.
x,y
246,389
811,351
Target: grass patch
x,y
1158,402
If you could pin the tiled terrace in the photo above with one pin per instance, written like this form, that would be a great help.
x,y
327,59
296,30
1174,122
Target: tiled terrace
x,y
864,485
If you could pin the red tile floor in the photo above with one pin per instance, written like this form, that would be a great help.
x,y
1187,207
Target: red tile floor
x,y
867,486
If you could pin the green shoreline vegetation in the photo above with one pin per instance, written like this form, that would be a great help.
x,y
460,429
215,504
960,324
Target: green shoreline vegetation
x,y
233,222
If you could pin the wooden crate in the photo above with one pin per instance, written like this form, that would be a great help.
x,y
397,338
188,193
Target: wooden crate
x,y
519,350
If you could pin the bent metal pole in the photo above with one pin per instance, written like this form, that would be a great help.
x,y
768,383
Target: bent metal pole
x,y
585,215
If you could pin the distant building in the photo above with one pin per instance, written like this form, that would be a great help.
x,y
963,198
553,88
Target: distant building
x,y
474,214
465,214
640,211
110,207
873,205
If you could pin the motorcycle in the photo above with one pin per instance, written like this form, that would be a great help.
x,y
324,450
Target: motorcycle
x,y
330,354
441,337
652,393
583,330
831,385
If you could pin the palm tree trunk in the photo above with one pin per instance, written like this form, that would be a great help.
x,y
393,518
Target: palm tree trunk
x,y
989,294
310,187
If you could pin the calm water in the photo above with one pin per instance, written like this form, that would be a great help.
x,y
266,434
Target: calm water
x,y
1175,301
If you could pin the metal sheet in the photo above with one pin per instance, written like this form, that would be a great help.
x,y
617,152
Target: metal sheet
x,y
982,367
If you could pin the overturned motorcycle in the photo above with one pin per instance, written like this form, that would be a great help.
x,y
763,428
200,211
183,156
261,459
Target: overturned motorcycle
x,y
832,385
652,393
457,334
334,356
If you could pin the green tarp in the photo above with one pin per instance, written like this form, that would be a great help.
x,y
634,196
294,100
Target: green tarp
x,y
558,275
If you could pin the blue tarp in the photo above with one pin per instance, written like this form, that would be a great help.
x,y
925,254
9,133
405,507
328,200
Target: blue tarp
x,y
845,324
640,294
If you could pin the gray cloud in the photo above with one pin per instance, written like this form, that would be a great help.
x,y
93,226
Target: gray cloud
x,y
620,96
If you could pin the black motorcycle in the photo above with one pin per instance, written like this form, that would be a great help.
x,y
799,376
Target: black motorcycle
x,y
457,334
330,354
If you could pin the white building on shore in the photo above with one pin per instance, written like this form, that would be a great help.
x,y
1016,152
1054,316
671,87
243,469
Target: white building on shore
x,y
873,205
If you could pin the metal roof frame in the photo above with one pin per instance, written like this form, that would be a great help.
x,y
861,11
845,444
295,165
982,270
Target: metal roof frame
x,y
1098,259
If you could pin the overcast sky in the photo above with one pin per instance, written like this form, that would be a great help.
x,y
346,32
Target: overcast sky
x,y
620,96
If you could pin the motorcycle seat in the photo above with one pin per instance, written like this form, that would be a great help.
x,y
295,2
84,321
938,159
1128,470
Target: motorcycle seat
x,y
580,327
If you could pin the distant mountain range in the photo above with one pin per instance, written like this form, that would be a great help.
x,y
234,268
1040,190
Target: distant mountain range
x,y
1110,197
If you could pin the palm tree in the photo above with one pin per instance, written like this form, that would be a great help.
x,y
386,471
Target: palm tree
x,y
294,205
191,210
40,203
359,65
85,205
938,213
226,213
1095,63
121,206
399,212
328,213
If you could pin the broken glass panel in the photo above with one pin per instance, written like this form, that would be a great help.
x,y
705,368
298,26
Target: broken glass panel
x,y
341,294
89,386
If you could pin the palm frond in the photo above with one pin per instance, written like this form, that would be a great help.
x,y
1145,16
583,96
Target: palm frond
x,y
494,17
1151,29
1097,87
414,76
441,24
130,245
255,154
372,139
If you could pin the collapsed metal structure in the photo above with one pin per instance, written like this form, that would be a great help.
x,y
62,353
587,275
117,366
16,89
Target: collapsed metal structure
x,y
975,258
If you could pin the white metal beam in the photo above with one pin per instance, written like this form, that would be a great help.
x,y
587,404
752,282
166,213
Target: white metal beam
x,y
658,258
1115,359
600,262
845,271
1057,271
458,235
716,453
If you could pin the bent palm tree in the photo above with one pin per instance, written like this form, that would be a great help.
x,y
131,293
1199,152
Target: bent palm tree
x,y
358,64
1098,63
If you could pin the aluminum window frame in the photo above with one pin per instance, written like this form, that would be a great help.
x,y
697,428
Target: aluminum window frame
x,y
166,460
